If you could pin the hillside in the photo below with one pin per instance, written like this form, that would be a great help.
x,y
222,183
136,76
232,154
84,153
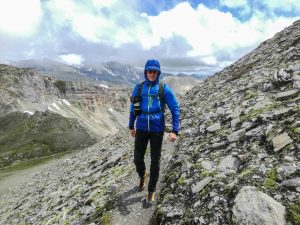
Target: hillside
x,y
41,116
236,160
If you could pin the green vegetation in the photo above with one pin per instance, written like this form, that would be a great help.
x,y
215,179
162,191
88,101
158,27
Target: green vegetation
x,y
106,219
293,212
208,173
61,85
255,113
270,181
250,94
181,181
24,137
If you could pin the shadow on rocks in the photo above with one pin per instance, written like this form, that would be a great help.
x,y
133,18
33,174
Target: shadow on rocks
x,y
122,201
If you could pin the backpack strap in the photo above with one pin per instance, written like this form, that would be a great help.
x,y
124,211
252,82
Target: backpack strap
x,y
161,94
140,88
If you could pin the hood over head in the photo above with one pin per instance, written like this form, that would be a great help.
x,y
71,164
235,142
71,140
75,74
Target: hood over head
x,y
153,65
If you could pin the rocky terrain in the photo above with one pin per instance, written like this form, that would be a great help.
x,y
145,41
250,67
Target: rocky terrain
x,y
237,160
42,116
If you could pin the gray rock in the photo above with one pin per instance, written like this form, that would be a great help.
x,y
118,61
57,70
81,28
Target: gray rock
x,y
234,122
294,183
207,165
258,131
296,81
229,163
214,127
252,207
285,170
202,128
281,141
200,185
217,145
174,213
236,113
281,112
287,94
237,135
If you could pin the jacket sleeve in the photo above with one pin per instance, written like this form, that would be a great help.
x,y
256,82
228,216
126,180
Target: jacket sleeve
x,y
132,117
172,103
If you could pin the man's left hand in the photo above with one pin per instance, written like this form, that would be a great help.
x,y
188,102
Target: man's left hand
x,y
172,137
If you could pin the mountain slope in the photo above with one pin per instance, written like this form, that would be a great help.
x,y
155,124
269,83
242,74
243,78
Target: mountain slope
x,y
24,137
41,116
237,160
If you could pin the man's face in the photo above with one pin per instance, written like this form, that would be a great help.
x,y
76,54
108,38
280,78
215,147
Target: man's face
x,y
151,75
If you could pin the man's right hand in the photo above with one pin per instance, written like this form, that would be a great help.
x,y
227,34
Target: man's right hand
x,y
132,132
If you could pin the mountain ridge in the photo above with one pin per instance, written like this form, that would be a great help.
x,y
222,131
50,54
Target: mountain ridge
x,y
236,160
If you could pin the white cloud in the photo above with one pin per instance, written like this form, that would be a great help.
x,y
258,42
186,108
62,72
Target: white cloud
x,y
111,22
20,18
287,5
72,59
112,29
210,31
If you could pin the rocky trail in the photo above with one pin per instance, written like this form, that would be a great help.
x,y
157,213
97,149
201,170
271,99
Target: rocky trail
x,y
95,186
129,205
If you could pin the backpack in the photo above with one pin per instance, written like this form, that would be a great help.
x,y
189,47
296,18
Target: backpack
x,y
161,93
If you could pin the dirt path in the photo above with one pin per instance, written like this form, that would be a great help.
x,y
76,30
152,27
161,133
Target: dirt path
x,y
129,205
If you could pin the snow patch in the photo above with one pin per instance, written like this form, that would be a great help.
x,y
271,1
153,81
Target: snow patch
x,y
103,85
110,109
111,73
66,102
60,102
31,113
55,106
51,109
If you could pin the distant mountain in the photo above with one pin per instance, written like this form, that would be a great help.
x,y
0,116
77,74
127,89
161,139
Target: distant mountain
x,y
51,68
196,76
110,73
181,84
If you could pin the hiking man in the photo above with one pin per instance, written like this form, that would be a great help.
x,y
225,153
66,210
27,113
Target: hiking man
x,y
147,107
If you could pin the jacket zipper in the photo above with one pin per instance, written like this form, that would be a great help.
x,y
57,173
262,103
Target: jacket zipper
x,y
149,99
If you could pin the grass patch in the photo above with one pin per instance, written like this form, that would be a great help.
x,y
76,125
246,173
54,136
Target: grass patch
x,y
255,113
208,173
181,181
250,94
106,219
270,181
293,212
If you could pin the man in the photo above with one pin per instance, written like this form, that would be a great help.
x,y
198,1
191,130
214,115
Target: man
x,y
147,108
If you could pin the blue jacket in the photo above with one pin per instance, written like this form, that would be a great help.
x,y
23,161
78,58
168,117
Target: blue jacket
x,y
150,103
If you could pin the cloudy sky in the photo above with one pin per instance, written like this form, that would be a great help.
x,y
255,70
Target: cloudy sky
x,y
199,37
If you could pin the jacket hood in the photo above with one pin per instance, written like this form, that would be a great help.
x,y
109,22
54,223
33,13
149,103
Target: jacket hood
x,y
153,65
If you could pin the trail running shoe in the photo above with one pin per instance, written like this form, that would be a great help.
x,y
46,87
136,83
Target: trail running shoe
x,y
143,181
151,198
